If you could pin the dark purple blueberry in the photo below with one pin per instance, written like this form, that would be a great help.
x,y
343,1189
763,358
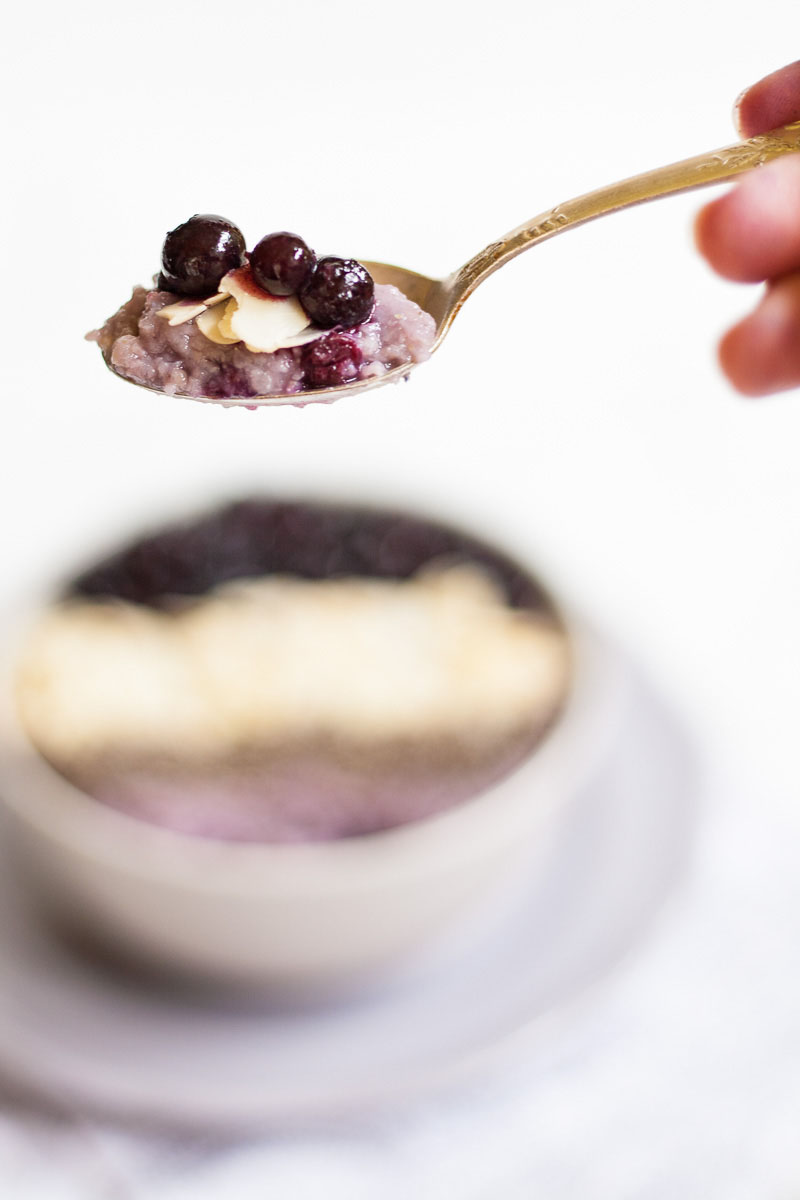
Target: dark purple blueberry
x,y
332,360
340,292
198,253
281,263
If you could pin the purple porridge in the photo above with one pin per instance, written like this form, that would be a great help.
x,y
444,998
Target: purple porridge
x,y
286,672
225,325
179,360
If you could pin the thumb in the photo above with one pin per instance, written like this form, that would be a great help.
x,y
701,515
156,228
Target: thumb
x,y
773,101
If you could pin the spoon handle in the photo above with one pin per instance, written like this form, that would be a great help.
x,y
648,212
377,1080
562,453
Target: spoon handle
x,y
684,176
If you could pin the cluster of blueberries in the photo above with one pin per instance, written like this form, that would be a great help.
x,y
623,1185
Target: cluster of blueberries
x,y
333,291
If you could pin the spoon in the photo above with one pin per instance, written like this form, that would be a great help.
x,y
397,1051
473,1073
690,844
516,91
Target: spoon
x,y
443,298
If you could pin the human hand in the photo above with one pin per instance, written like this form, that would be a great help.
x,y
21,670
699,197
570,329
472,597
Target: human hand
x,y
752,234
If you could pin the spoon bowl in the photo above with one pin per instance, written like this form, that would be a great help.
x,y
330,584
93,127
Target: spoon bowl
x,y
443,298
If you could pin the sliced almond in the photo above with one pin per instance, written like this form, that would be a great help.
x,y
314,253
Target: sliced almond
x,y
209,323
186,310
240,281
182,311
263,321
224,324
265,325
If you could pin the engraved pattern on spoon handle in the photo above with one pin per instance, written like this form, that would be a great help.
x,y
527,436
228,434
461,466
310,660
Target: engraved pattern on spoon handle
x,y
700,171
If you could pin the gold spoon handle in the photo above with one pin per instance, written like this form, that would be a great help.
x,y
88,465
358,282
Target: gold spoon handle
x,y
684,176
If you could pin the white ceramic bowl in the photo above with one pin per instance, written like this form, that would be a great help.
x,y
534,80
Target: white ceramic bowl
x,y
258,914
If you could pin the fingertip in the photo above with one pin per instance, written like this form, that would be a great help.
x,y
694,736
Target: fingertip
x,y
739,122
752,232
735,355
720,234
706,224
769,103
761,354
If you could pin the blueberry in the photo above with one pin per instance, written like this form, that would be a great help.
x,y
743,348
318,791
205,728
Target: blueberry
x,y
281,263
339,292
332,360
198,253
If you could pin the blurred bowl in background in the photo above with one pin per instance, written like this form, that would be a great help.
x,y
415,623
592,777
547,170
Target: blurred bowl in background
x,y
232,903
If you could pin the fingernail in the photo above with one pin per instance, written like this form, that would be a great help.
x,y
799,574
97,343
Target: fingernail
x,y
737,104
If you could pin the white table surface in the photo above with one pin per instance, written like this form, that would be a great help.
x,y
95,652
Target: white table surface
x,y
576,407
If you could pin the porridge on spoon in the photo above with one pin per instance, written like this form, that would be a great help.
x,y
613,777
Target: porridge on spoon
x,y
222,324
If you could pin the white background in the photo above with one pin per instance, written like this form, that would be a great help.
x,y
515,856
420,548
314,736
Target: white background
x,y
576,408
